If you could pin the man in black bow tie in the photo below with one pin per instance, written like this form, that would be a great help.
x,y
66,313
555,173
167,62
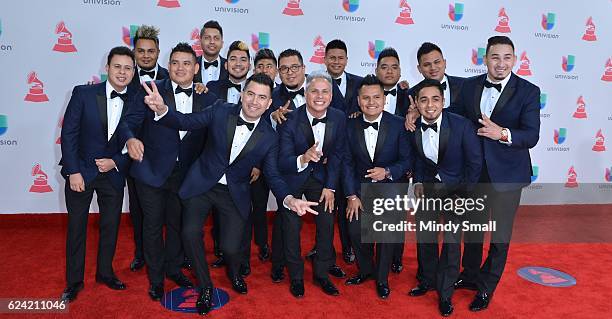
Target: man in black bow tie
x,y
238,64
92,161
211,65
290,94
161,158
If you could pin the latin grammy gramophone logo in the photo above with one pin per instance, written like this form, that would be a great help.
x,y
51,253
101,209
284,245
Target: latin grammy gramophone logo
x,y
293,8
524,67
196,45
319,54
405,16
502,22
64,40
580,112
589,33
608,72
168,3
599,142
36,92
572,178
40,184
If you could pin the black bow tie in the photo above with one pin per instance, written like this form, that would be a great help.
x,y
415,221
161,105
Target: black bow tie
x,y
497,86
374,125
249,125
433,126
123,96
316,121
151,73
443,85
392,92
292,94
338,81
232,85
208,64
181,90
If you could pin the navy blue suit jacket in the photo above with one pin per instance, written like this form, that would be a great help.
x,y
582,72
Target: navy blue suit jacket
x,y
84,135
162,73
349,100
393,151
219,88
401,103
296,138
455,84
518,109
223,74
261,150
162,144
459,153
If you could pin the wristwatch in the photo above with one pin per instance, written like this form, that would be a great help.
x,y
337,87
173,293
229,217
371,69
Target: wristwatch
x,y
388,174
504,135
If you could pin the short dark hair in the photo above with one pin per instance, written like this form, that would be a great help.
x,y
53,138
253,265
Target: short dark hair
x,y
260,78
427,47
122,50
336,44
370,79
264,53
499,39
211,24
428,83
291,52
147,32
183,47
239,46
387,52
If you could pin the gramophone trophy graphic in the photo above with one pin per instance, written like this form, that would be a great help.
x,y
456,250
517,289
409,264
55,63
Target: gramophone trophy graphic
x,y
40,182
36,92
196,45
64,41
168,3
405,16
524,69
608,73
599,142
589,33
502,22
580,109
319,54
293,8
572,178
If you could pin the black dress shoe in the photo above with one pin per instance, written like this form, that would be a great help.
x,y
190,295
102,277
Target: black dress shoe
x,y
462,284
327,287
111,282
357,280
245,269
204,302
220,262
349,257
239,285
382,290
71,292
181,280
419,290
277,275
311,254
336,271
187,264
397,267
446,307
217,250
480,302
264,252
297,288
137,264
156,292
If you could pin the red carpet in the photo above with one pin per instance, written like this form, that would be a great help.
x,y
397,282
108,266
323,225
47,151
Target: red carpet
x,y
32,265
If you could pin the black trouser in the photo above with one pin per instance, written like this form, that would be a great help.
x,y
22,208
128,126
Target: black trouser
x,y
136,217
292,224
257,223
110,201
231,230
364,254
428,254
343,223
278,245
450,257
162,206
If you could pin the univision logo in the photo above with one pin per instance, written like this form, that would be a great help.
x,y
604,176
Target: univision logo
x,y
548,21
455,12
567,63
260,41
350,5
3,124
232,1
543,98
478,56
374,48
608,176
128,35
535,170
560,135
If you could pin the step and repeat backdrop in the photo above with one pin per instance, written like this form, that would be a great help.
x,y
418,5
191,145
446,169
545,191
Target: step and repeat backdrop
x,y
565,47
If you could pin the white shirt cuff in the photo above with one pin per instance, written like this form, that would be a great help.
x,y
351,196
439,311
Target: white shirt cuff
x,y
300,168
274,124
285,202
157,117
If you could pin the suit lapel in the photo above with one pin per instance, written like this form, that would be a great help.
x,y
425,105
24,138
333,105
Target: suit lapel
x,y
382,135
251,143
478,95
349,87
101,101
230,131
401,103
454,90
329,133
169,95
196,105
418,135
505,96
361,139
444,135
306,127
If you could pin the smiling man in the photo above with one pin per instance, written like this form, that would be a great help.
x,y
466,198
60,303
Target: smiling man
x,y
211,65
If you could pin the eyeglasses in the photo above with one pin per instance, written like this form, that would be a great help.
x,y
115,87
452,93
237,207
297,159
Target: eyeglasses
x,y
294,68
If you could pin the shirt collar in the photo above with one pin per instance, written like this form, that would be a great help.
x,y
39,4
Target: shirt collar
x,y
153,69
244,119
109,89
377,120
445,79
290,90
175,85
503,82
310,117
342,77
218,59
438,121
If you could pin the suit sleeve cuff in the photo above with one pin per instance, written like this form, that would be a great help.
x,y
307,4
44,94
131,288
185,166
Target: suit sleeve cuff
x,y
158,117
509,142
300,168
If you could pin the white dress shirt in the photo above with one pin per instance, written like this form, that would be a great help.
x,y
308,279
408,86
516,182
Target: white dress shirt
x,y
342,85
146,77
184,104
212,73
489,99
241,137
371,136
318,131
391,100
233,95
431,142
114,107
299,99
